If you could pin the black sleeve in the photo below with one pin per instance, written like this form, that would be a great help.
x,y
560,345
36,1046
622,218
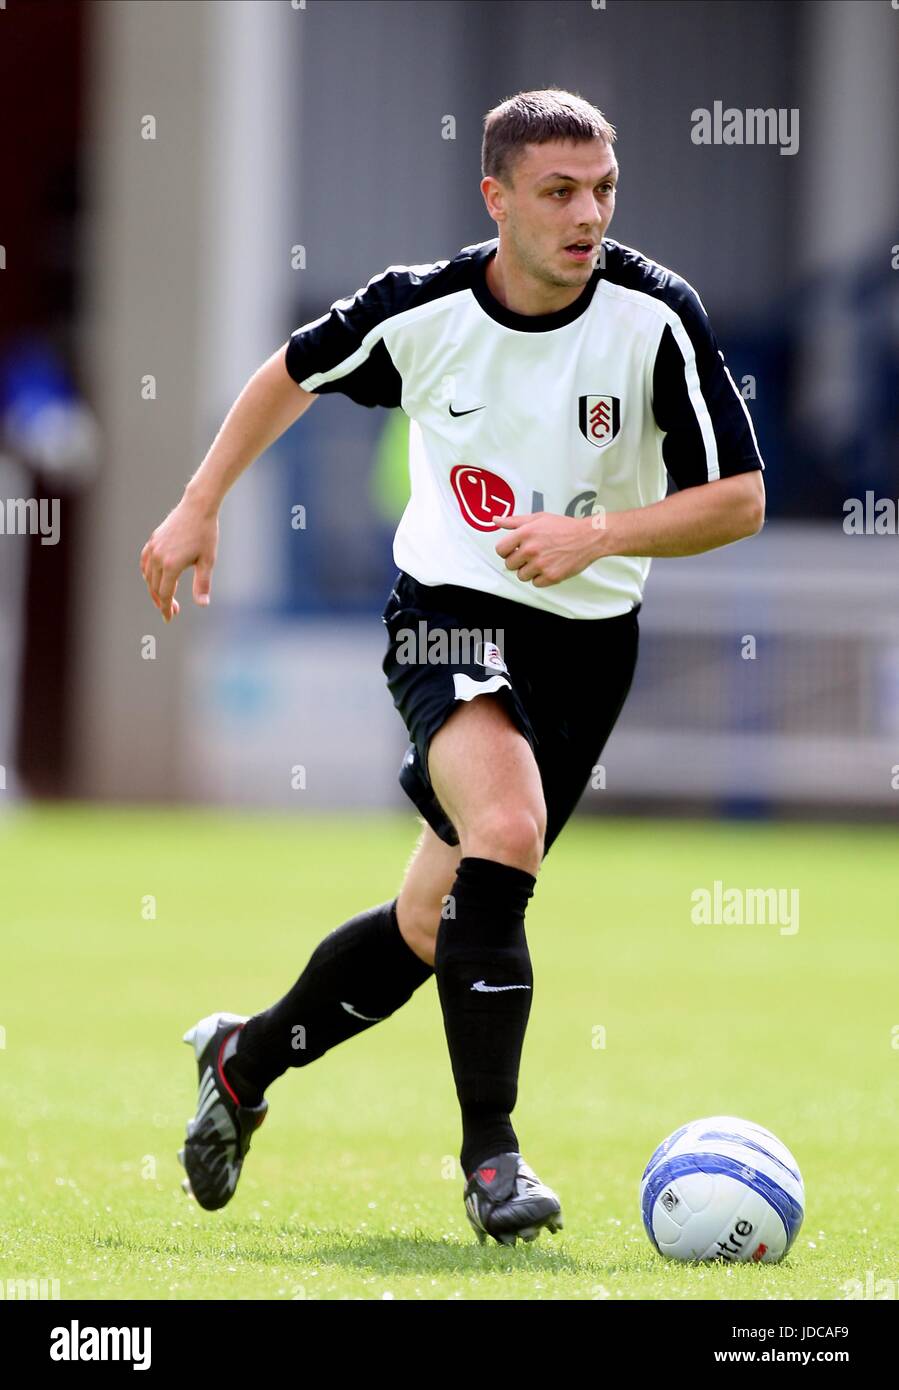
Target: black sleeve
x,y
344,349
708,433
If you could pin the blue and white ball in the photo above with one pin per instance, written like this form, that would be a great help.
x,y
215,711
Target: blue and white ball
x,y
722,1189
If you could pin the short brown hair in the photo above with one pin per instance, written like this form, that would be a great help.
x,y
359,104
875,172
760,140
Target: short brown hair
x,y
534,118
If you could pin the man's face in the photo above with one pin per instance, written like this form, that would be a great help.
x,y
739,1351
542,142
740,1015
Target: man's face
x,y
560,194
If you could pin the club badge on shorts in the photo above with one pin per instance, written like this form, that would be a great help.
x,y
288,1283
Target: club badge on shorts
x,y
489,655
599,418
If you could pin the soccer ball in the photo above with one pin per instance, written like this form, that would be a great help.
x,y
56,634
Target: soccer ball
x,y
722,1189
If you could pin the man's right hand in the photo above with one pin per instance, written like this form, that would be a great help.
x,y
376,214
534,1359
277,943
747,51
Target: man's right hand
x,y
188,536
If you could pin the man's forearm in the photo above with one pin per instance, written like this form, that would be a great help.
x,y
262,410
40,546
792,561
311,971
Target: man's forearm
x,y
686,523
269,403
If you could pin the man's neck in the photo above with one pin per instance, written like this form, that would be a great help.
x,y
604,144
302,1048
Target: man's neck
x,y
520,293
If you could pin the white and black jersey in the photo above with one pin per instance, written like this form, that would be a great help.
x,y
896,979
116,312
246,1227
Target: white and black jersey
x,y
565,412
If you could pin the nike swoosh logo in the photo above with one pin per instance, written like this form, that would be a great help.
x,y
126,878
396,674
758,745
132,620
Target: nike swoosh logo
x,y
457,413
494,989
355,1012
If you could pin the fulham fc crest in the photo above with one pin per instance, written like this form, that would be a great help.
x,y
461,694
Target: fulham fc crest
x,y
599,418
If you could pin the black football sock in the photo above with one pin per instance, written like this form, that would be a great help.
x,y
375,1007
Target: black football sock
x,y
485,983
357,976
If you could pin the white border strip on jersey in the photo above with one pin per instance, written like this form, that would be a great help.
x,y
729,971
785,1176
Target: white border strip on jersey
x,y
697,399
745,409
691,372
374,335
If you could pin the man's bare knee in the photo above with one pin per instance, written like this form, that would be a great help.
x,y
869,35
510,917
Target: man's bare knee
x,y
428,883
419,908
510,835
487,780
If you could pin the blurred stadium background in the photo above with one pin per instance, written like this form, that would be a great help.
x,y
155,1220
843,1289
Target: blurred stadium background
x,y
184,183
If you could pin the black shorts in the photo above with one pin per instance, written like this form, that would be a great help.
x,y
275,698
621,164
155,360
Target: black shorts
x,y
563,680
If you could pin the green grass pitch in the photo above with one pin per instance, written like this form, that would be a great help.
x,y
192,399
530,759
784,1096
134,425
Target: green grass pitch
x,y
352,1188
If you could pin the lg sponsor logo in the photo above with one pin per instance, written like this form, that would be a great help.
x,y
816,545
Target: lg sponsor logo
x,y
484,496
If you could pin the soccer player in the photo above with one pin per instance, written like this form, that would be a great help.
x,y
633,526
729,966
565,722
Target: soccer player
x,y
552,377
